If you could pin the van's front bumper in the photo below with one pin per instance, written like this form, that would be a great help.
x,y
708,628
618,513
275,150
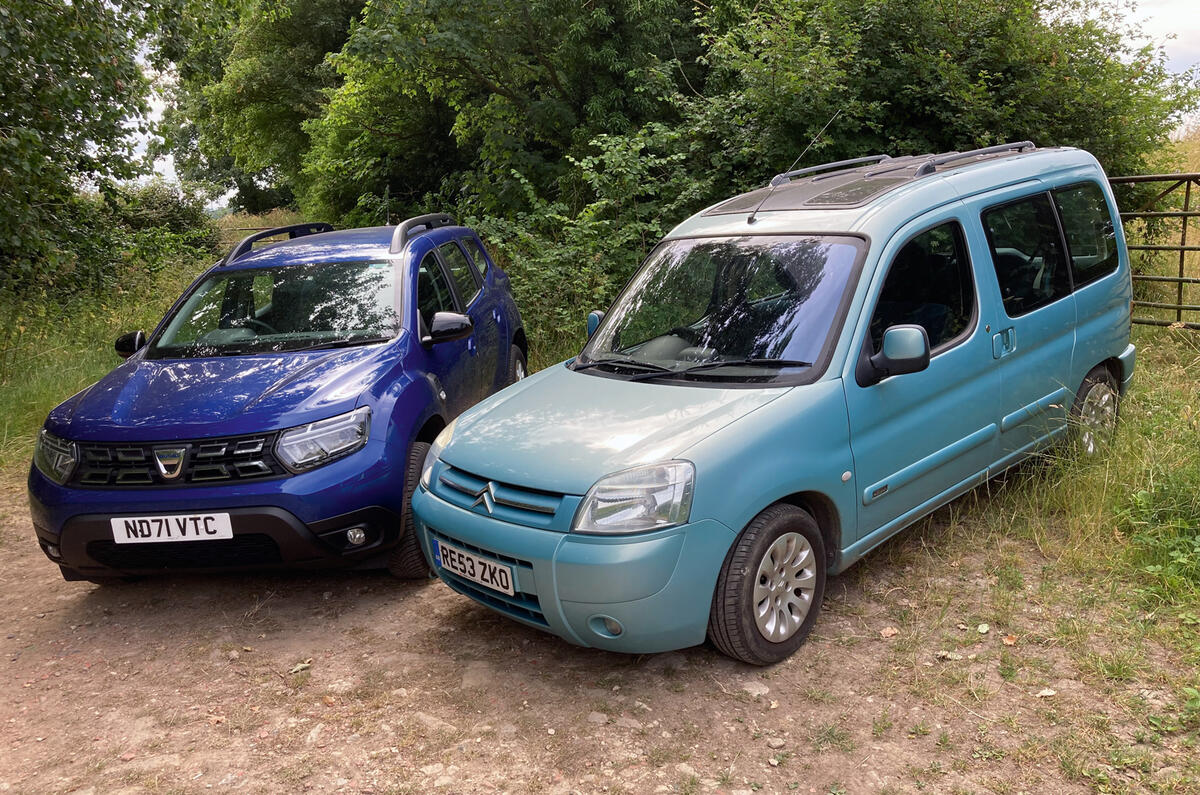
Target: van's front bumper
x,y
657,587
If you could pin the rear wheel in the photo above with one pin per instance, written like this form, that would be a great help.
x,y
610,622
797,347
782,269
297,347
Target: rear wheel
x,y
1094,415
770,589
406,560
517,368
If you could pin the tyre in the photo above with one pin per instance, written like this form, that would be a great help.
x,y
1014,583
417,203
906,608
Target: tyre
x,y
517,368
1094,414
770,588
406,560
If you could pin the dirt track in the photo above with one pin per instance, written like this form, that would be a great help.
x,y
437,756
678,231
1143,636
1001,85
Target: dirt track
x,y
357,683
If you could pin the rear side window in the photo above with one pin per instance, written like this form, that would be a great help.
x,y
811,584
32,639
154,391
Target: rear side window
x,y
1091,240
433,290
1027,254
928,284
462,271
477,254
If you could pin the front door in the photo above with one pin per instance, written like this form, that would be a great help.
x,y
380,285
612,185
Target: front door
x,y
921,438
450,362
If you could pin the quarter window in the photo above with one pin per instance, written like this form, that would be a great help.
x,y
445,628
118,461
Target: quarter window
x,y
1027,254
462,271
929,284
1091,240
480,257
433,290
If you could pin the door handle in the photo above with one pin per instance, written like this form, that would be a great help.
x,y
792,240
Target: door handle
x,y
471,346
1004,342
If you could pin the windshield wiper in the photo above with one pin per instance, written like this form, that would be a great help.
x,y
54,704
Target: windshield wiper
x,y
654,369
749,362
347,343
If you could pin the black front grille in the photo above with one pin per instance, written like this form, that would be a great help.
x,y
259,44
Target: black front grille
x,y
205,462
249,549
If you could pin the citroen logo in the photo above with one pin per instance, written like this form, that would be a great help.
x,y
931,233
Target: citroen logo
x,y
170,461
486,497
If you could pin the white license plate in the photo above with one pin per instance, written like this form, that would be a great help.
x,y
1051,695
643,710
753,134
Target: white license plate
x,y
173,527
472,567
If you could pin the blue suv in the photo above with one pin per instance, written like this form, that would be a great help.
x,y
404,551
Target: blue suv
x,y
279,414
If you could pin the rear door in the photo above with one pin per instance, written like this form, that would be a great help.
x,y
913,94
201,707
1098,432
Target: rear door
x,y
1034,337
921,438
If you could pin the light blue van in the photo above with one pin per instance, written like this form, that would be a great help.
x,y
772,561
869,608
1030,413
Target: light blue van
x,y
792,377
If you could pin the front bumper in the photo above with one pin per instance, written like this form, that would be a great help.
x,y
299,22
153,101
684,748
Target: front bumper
x,y
293,522
657,586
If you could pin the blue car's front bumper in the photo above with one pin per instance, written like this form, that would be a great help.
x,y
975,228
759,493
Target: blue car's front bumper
x,y
295,522
657,587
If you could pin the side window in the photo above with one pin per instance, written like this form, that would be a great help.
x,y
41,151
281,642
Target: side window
x,y
1091,241
928,284
1027,254
462,271
433,291
478,255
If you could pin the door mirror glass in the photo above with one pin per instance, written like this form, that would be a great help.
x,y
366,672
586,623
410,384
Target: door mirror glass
x,y
448,326
905,350
129,344
593,321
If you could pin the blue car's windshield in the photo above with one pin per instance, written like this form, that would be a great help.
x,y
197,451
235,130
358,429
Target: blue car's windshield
x,y
751,308
288,308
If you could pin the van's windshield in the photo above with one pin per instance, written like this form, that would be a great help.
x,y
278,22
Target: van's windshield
x,y
750,308
295,307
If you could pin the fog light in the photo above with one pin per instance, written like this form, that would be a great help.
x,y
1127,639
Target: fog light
x,y
613,627
356,536
53,551
606,626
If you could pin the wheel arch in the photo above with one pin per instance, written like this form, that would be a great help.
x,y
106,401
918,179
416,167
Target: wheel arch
x,y
825,514
521,341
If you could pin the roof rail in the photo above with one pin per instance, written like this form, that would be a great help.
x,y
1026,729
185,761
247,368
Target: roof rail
x,y
294,231
429,221
779,179
930,165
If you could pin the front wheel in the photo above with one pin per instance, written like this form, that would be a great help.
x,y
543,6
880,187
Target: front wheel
x,y
406,560
1094,415
770,588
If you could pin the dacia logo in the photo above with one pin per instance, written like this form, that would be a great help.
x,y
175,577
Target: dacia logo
x,y
170,461
486,497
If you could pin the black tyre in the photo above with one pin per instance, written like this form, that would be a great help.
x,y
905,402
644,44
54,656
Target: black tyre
x,y
517,367
1095,412
770,588
406,560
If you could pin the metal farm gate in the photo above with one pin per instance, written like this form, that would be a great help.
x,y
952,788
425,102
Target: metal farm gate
x,y
1182,273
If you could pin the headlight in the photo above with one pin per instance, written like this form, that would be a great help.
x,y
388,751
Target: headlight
x,y
54,457
435,450
320,442
637,500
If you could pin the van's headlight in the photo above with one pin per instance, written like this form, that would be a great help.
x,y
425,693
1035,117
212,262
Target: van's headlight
x,y
636,500
320,442
54,457
435,450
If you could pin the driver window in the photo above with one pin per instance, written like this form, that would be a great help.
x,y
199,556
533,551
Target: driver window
x,y
1027,254
433,290
929,284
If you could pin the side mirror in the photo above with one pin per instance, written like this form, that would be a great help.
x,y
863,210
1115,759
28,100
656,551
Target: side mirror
x,y
129,344
447,327
905,350
594,318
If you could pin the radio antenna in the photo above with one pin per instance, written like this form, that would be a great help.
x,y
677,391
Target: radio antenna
x,y
779,179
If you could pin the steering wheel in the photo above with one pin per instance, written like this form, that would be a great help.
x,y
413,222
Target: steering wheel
x,y
689,334
259,326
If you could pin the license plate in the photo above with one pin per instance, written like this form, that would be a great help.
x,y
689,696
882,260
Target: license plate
x,y
472,567
174,527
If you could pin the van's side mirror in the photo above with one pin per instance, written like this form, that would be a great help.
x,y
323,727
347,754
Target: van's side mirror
x,y
446,327
129,344
905,350
594,318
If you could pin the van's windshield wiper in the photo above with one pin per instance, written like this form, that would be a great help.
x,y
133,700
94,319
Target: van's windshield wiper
x,y
749,362
654,369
